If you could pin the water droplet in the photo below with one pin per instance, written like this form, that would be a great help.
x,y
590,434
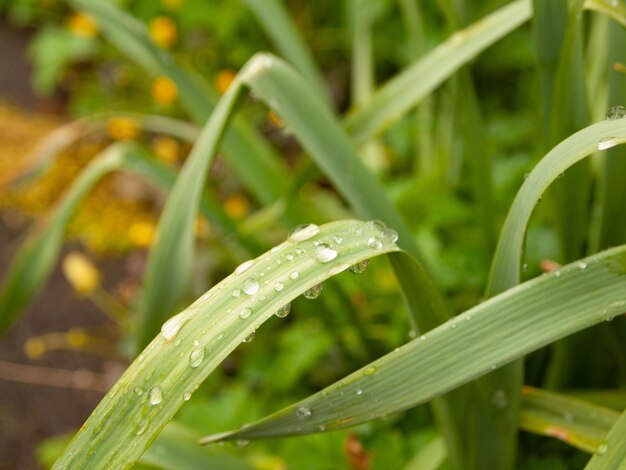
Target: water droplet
x,y
376,225
236,292
390,235
138,391
303,232
582,265
279,286
525,267
283,311
360,267
374,243
303,412
324,253
220,336
196,342
294,275
602,449
250,337
156,395
241,443
499,399
250,286
370,370
359,391
337,239
196,357
244,266
171,327
615,112
557,273
321,427
142,426
313,292
452,324
607,143
423,337
289,256
244,313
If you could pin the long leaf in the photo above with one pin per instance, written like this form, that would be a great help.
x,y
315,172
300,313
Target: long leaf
x,y
611,453
195,341
273,16
575,422
410,86
496,332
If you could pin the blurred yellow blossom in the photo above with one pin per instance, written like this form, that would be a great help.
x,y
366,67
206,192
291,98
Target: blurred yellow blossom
x,y
35,348
82,25
163,31
142,233
122,128
172,4
80,272
236,205
275,119
164,91
76,338
166,149
223,79
202,227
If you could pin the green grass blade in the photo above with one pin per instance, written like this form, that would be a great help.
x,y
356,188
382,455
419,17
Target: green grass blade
x,y
251,157
36,257
578,423
194,342
506,267
273,16
177,448
409,87
67,135
169,262
614,10
611,453
429,458
612,187
496,332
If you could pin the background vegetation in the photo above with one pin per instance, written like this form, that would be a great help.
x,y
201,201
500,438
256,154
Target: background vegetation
x,y
368,110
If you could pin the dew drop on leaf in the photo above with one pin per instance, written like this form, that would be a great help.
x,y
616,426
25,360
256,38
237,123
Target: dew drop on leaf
x,y
615,112
303,412
324,253
250,286
294,275
283,311
244,266
186,396
360,267
279,286
156,395
196,357
171,327
374,243
303,232
607,143
250,337
314,292
244,313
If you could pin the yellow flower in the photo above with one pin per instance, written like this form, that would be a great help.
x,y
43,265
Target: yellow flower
x,y
76,338
121,128
236,205
223,80
275,119
142,233
34,348
163,31
166,149
164,91
80,273
82,25
172,4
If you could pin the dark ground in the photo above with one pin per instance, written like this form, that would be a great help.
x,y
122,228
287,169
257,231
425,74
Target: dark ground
x,y
32,412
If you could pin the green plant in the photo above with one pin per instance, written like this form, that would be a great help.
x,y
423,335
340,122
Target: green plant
x,y
478,419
